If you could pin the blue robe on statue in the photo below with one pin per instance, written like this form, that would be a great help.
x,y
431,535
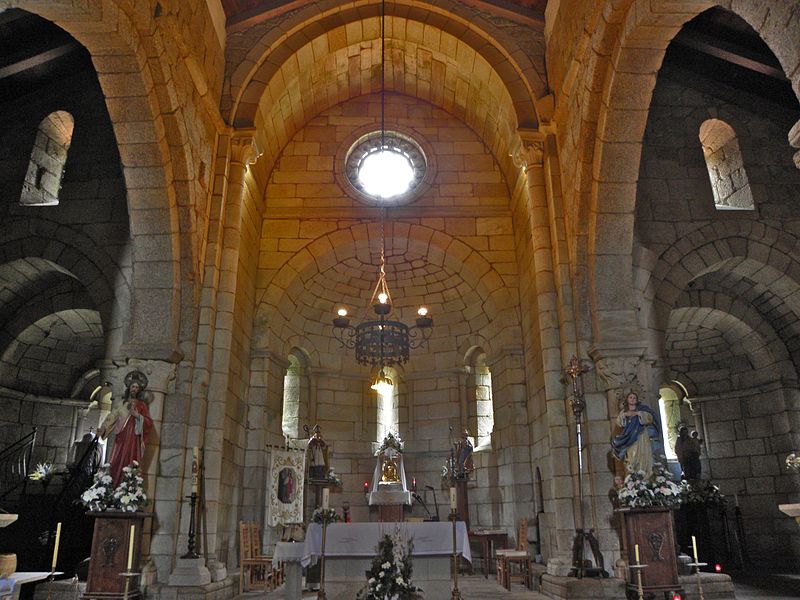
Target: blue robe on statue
x,y
630,445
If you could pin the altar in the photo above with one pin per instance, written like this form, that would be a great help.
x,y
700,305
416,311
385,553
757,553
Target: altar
x,y
350,547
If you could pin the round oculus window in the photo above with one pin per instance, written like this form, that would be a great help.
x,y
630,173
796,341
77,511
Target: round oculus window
x,y
386,167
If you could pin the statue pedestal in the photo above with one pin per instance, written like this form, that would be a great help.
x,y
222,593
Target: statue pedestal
x,y
390,499
793,510
651,529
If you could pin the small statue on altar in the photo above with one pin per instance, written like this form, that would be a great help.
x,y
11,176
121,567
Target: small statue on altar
x,y
463,456
687,449
317,451
390,459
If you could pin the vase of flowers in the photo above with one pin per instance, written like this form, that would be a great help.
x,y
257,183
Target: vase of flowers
x,y
389,576
43,473
325,516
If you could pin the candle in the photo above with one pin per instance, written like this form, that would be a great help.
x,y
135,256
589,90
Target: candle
x,y
366,486
694,548
414,483
636,553
736,500
55,548
326,498
453,503
130,547
195,468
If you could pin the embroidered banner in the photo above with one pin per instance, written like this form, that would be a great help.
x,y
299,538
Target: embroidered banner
x,y
286,487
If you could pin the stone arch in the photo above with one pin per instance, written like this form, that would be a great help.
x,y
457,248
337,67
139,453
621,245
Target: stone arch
x,y
126,79
618,115
269,50
469,89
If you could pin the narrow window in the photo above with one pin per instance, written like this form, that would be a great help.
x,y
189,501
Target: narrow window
x,y
388,407
481,403
49,155
729,181
295,395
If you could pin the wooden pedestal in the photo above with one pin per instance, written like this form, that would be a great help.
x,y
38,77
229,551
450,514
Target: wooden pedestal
x,y
109,558
651,529
462,501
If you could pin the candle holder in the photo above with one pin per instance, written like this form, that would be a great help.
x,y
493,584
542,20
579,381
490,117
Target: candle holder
x,y
696,564
190,550
321,593
639,587
456,595
128,575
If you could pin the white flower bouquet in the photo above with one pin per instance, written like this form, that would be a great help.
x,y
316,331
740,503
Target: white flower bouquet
x,y
793,462
128,496
639,491
100,495
43,472
389,577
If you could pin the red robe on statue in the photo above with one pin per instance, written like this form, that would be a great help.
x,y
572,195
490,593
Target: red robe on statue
x,y
131,437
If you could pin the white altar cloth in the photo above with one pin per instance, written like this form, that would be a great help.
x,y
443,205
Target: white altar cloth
x,y
361,539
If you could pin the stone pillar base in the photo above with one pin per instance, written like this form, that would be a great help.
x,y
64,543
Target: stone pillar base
x,y
210,591
190,571
218,570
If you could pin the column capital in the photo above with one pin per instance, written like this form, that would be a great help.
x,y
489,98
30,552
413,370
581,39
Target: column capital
x,y
530,151
244,149
160,373
618,365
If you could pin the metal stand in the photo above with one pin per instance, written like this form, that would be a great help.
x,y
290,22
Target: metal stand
x,y
190,551
456,595
697,566
639,588
128,575
574,372
321,593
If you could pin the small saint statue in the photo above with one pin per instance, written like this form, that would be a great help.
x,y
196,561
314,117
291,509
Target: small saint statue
x,y
317,451
463,456
389,466
687,449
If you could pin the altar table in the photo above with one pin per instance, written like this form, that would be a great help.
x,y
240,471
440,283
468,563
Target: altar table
x,y
361,539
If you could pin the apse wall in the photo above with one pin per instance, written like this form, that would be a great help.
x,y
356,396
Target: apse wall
x,y
452,249
720,292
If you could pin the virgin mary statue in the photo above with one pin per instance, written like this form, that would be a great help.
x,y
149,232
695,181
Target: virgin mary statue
x,y
633,444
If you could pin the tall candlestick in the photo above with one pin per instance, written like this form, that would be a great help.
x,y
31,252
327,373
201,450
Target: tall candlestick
x,y
326,498
195,468
636,553
453,502
130,547
55,548
694,548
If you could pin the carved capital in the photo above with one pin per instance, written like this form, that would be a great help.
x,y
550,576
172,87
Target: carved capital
x,y
244,149
794,142
530,151
617,367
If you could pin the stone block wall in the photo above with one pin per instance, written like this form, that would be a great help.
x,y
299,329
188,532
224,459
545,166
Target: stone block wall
x,y
716,288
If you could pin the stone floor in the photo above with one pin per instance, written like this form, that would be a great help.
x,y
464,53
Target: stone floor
x,y
475,587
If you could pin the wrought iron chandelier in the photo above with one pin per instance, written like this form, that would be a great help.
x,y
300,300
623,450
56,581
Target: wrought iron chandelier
x,y
382,342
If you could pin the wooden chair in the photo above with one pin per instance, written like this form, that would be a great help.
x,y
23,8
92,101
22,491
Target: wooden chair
x,y
255,569
509,559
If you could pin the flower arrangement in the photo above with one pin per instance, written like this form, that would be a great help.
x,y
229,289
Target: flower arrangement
x,y
128,496
43,472
389,576
793,462
390,441
325,515
100,495
638,491
701,492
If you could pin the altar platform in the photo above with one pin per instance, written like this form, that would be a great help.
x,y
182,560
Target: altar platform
x,y
350,548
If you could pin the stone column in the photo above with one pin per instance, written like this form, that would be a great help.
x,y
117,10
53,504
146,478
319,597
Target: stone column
x,y
242,153
794,142
558,523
